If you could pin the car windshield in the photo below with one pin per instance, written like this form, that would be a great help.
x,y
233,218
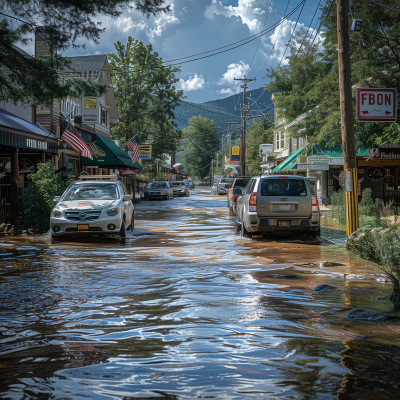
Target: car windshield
x,y
91,192
241,182
157,185
226,181
283,187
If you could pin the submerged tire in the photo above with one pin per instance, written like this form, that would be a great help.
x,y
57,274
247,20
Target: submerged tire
x,y
243,231
231,213
122,231
237,225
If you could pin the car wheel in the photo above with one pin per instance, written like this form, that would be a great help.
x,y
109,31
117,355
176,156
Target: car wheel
x,y
187,194
231,213
122,231
133,221
316,233
243,231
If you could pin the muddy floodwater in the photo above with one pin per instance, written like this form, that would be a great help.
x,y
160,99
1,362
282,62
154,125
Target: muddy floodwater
x,y
186,309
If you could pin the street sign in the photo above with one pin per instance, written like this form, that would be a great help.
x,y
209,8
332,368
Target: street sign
x,y
315,167
145,151
376,105
235,150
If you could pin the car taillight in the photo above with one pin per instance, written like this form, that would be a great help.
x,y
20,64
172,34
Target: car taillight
x,y
314,200
253,199
234,198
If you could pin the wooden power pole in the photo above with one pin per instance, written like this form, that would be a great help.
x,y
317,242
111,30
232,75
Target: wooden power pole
x,y
346,111
245,109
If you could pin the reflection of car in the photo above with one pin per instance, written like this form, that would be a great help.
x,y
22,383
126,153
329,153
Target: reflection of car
x,y
189,183
277,203
223,185
93,207
239,183
179,188
158,190
214,188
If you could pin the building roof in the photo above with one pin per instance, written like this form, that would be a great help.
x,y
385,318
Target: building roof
x,y
13,121
87,67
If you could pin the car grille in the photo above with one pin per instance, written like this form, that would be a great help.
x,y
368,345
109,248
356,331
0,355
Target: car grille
x,y
154,192
90,215
91,228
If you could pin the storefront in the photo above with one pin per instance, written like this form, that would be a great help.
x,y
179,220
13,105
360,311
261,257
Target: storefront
x,y
22,146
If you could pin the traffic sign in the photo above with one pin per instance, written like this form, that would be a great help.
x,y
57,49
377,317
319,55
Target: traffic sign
x,y
376,105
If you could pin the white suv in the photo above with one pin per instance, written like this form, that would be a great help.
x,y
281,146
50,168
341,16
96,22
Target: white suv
x,y
93,207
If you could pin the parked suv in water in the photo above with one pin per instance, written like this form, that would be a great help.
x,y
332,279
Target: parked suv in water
x,y
273,203
235,191
91,206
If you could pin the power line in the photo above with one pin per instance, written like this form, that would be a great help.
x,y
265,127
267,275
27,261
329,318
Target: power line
x,y
382,5
210,111
250,40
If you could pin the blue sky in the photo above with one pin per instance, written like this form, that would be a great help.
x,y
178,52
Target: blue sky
x,y
195,26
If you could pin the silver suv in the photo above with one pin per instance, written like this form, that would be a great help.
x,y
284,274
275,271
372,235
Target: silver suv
x,y
272,203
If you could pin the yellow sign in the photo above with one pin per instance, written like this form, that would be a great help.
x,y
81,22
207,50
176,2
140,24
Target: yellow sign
x,y
228,160
145,151
236,151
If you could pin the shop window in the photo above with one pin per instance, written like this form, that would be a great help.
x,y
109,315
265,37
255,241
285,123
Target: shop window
x,y
103,116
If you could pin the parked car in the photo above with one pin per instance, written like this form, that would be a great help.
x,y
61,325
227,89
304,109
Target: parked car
x,y
214,188
189,183
91,206
239,183
272,203
223,185
179,188
158,190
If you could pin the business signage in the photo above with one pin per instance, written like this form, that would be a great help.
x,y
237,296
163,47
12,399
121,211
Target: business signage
x,y
384,154
375,174
235,151
313,167
145,151
90,112
376,105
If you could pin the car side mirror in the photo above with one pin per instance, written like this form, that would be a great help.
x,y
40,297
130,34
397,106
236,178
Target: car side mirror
x,y
56,199
128,197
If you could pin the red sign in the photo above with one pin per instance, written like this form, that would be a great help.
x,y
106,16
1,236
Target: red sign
x,y
376,105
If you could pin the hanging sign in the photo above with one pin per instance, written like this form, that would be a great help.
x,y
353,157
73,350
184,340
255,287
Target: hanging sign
x,y
375,174
376,105
235,150
90,113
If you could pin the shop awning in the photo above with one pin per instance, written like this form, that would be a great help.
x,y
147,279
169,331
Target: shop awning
x,y
288,162
114,157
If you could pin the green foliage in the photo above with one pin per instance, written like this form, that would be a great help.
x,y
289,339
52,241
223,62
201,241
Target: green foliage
x,y
200,143
146,97
380,245
338,201
37,81
259,133
37,200
366,205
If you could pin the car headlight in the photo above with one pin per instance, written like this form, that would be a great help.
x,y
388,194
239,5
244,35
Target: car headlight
x,y
112,212
56,214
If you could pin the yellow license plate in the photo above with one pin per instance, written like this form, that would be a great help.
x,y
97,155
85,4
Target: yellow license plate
x,y
283,223
83,227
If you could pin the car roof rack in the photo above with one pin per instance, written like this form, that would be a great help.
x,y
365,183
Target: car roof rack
x,y
113,177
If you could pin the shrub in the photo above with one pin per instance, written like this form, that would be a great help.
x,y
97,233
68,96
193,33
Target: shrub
x,y
366,206
382,246
37,201
338,200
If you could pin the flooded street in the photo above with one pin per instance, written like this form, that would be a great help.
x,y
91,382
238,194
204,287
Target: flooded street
x,y
186,309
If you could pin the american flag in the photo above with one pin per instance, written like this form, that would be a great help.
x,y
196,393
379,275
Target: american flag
x,y
134,147
70,136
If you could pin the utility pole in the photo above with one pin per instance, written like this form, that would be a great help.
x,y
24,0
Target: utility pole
x,y
245,109
346,111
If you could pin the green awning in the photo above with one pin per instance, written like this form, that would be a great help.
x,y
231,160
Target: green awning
x,y
291,159
290,166
114,156
336,151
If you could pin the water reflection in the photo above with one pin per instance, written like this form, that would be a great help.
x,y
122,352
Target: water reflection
x,y
178,313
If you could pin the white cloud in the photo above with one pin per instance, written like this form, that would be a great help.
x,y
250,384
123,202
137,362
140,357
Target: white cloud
x,y
161,23
125,24
282,35
246,10
235,70
229,91
193,83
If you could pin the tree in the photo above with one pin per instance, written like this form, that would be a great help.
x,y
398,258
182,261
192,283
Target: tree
x,y
201,141
146,97
259,133
37,81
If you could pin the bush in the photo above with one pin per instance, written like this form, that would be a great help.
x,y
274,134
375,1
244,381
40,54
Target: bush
x,y
37,201
382,246
366,206
338,201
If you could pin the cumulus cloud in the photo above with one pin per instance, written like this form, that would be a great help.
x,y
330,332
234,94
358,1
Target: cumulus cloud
x,y
161,23
193,83
246,10
281,37
125,24
229,91
235,70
